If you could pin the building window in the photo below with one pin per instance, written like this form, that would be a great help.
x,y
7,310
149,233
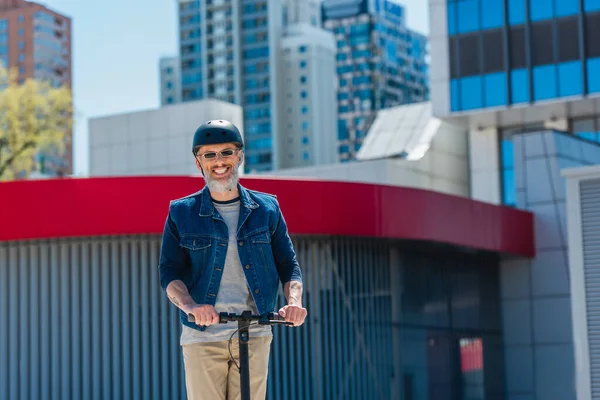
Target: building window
x,y
541,9
304,110
21,57
566,7
518,57
21,32
593,75
302,49
495,89
306,156
516,12
305,127
568,38
519,86
570,79
303,79
304,139
303,94
493,51
302,64
544,82
21,45
542,43
471,95
21,18
592,30
492,14
469,55
591,5
468,16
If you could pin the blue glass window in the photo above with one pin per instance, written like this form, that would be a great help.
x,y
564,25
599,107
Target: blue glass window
x,y
305,128
566,7
468,16
591,5
471,93
21,45
302,49
516,12
303,79
570,81
519,86
452,18
507,154
495,89
304,110
509,190
593,75
544,82
303,94
342,130
541,9
303,64
454,95
492,14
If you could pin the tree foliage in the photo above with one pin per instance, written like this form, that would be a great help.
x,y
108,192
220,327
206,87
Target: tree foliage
x,y
34,117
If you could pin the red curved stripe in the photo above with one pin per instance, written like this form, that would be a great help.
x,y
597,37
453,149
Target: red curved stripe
x,y
138,205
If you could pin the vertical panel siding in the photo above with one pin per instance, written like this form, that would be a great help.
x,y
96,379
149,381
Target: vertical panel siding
x,y
86,318
590,225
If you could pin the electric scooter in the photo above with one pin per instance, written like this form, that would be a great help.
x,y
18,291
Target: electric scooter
x,y
244,321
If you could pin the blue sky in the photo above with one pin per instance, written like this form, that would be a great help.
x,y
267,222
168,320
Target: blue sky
x,y
116,47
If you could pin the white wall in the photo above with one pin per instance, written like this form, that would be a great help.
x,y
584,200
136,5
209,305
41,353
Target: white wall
x,y
443,168
153,142
320,101
485,165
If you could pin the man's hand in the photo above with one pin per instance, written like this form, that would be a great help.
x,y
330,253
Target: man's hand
x,y
294,314
204,314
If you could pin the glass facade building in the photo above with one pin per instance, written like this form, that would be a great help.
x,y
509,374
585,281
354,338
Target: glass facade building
x,y
380,63
225,54
515,52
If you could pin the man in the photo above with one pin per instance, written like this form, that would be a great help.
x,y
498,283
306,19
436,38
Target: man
x,y
225,249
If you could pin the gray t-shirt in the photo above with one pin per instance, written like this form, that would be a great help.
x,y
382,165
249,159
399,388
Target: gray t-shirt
x,y
234,295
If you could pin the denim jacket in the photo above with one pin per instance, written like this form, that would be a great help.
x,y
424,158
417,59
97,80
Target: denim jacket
x,y
195,241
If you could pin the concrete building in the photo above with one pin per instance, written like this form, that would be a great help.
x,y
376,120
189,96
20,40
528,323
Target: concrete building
x,y
170,80
380,63
36,42
153,142
523,77
308,106
302,12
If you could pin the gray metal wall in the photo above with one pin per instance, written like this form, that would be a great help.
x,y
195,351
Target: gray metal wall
x,y
536,296
86,319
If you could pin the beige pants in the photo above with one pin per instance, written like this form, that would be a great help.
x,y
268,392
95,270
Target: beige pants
x,y
211,375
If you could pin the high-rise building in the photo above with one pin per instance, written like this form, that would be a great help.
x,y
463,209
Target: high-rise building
x,y
523,78
232,51
229,51
308,106
36,41
380,63
170,80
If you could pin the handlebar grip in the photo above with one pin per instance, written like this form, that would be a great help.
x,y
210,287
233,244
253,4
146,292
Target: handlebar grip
x,y
223,317
273,316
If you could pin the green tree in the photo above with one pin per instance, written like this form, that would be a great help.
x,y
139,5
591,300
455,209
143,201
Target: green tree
x,y
34,117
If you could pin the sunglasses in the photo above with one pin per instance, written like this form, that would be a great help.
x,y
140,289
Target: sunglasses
x,y
211,155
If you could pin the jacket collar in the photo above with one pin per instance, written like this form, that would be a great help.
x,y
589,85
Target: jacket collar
x,y
206,205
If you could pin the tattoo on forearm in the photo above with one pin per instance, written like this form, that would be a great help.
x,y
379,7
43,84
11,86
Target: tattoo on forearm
x,y
174,300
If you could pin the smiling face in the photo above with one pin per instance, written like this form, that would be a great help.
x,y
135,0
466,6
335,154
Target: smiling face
x,y
219,164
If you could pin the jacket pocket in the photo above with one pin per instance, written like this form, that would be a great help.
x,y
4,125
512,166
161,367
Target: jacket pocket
x,y
195,243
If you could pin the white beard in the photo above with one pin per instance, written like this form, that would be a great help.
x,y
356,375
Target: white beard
x,y
217,186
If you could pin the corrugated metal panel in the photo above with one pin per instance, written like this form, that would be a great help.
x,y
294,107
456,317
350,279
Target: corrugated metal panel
x,y
590,225
85,318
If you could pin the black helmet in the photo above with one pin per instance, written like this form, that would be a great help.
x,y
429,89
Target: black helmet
x,y
215,132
